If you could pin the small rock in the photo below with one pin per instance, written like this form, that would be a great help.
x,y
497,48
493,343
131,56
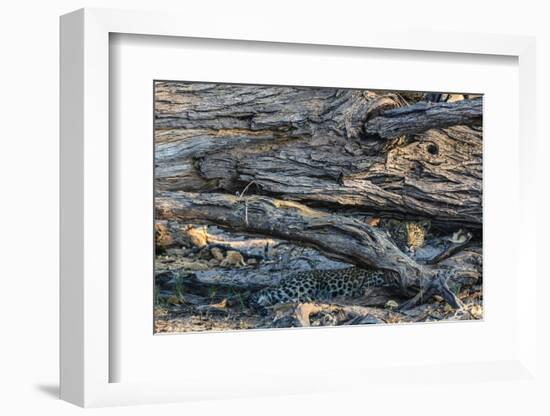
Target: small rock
x,y
476,311
173,300
454,98
391,305
252,262
217,253
233,258
438,298
163,237
198,236
374,222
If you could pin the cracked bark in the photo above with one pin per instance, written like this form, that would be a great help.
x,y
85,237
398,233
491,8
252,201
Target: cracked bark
x,y
424,116
338,237
310,145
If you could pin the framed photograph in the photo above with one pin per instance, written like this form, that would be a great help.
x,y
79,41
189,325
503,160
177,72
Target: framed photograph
x,y
293,206
285,209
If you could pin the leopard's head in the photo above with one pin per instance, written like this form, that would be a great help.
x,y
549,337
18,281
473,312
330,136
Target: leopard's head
x,y
416,233
408,235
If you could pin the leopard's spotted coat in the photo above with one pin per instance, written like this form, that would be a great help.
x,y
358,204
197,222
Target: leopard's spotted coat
x,y
350,282
321,285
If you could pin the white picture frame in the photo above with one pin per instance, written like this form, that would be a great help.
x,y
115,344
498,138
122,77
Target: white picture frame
x,y
86,353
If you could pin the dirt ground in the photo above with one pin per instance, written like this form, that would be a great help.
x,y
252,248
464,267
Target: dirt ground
x,y
184,317
182,305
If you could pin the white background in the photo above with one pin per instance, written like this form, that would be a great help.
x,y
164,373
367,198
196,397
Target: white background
x,y
29,172
137,60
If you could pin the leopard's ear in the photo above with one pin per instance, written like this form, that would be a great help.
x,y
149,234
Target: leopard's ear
x,y
426,224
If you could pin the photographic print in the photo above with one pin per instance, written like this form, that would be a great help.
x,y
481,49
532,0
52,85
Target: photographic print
x,y
293,206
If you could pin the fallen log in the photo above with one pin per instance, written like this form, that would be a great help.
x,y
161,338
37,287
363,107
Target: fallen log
x,y
467,263
423,116
310,145
438,176
337,237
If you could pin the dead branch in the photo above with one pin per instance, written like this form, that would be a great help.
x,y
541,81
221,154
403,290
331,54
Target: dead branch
x,y
423,116
337,237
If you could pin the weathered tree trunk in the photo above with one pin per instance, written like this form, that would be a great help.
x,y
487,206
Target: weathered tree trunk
x,y
467,264
240,279
336,236
310,145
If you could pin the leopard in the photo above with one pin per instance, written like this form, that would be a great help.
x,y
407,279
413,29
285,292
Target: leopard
x,y
350,282
408,236
321,285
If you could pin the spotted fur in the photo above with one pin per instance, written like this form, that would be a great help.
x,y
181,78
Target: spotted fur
x,y
409,236
320,285
350,282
